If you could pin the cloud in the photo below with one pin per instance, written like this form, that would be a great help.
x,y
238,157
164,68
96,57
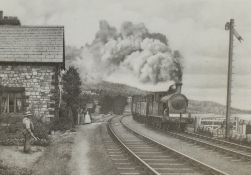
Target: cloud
x,y
194,27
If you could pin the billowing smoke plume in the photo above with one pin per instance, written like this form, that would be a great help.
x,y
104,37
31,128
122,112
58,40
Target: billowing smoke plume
x,y
134,50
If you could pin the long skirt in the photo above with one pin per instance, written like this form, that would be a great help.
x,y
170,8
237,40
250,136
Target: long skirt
x,y
87,119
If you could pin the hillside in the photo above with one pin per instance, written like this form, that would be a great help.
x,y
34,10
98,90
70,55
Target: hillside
x,y
113,89
194,106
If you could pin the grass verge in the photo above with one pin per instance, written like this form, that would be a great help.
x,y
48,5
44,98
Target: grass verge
x,y
56,157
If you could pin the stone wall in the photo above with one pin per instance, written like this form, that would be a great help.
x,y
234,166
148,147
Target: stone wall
x,y
41,84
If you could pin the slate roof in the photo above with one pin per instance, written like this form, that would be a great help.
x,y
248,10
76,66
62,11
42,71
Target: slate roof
x,y
32,44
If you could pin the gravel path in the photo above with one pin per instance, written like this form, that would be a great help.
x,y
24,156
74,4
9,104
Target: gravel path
x,y
80,163
89,156
220,161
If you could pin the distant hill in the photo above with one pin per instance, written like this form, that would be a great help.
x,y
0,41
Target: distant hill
x,y
113,89
196,106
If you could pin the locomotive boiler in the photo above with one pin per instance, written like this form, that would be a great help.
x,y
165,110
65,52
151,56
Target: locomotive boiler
x,y
166,110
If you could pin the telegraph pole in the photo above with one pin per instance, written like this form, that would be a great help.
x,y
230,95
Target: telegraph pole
x,y
232,32
229,77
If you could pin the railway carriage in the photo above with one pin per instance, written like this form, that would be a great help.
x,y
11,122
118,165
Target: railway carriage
x,y
166,110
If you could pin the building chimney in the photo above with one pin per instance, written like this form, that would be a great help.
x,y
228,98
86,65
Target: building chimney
x,y
1,14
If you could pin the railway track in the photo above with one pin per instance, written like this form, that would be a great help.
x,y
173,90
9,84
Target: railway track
x,y
124,163
235,150
221,142
153,157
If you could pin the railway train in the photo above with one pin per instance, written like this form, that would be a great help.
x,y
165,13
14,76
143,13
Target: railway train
x,y
165,110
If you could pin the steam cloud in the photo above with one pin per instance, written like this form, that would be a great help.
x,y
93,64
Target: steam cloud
x,y
133,49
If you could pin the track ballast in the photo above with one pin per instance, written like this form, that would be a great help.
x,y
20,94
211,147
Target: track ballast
x,y
154,157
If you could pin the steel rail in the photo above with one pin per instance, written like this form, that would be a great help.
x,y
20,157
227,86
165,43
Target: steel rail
x,y
129,151
213,146
248,148
193,161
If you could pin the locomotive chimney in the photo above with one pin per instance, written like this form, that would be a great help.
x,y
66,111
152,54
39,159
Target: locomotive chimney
x,y
8,20
178,87
1,14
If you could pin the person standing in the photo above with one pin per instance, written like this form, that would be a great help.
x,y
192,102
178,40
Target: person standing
x,y
164,124
87,117
82,118
28,131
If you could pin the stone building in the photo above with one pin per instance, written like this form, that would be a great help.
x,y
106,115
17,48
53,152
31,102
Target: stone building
x,y
31,62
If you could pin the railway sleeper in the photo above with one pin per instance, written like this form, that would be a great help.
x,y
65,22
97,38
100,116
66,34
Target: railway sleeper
x,y
212,146
195,163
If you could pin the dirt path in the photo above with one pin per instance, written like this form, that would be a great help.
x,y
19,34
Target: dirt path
x,y
80,163
89,155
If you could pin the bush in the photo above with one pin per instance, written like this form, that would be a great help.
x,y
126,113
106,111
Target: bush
x,y
65,121
41,142
41,129
61,125
12,133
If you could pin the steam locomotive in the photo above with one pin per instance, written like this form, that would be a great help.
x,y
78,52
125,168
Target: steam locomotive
x,y
166,110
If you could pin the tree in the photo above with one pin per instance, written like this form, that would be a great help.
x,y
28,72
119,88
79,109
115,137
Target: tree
x,y
71,91
119,103
106,103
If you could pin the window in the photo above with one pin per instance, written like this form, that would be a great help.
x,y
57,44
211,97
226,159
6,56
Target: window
x,y
11,102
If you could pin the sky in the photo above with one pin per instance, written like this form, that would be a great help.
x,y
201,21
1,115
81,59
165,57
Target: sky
x,y
195,27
